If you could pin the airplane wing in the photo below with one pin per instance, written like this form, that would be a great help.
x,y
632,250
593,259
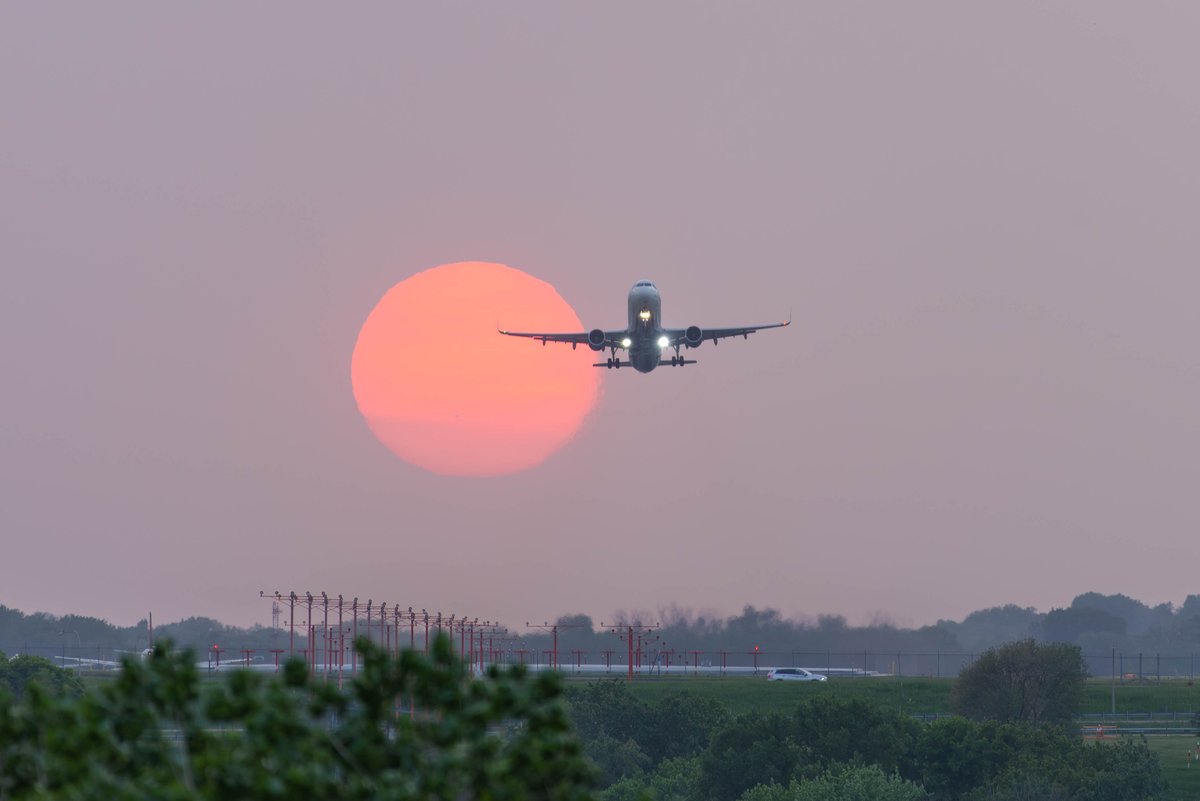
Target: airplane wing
x,y
678,336
79,662
612,339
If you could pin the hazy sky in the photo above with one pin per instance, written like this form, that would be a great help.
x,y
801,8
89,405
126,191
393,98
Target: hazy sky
x,y
984,218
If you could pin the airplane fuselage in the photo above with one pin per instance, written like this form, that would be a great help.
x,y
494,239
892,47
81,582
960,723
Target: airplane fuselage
x,y
645,327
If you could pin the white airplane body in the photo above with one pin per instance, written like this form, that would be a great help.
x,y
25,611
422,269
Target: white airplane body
x,y
645,339
144,655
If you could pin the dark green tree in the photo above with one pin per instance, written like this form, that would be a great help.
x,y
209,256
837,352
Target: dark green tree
x,y
962,759
1022,681
956,756
842,783
157,733
754,749
677,779
625,736
1076,622
680,724
616,759
19,672
605,708
821,734
852,730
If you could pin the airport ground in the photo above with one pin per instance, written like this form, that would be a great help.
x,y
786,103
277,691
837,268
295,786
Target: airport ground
x,y
1169,703
918,696
1162,710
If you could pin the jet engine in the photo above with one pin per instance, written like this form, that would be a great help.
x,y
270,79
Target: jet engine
x,y
693,336
596,339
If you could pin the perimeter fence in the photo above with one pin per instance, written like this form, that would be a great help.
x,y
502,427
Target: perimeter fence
x,y
1119,666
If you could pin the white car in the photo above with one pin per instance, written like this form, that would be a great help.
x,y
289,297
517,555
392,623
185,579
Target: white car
x,y
794,674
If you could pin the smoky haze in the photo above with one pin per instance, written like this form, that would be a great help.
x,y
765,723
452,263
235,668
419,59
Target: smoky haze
x,y
1112,631
982,219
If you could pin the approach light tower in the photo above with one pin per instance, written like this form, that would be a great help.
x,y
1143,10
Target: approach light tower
x,y
553,629
627,632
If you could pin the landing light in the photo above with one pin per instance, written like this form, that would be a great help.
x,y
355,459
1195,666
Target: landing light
x,y
663,342
645,315
626,342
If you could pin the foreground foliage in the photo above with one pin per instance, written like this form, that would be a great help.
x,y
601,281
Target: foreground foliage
x,y
155,734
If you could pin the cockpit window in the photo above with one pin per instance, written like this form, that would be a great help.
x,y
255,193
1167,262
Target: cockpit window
x,y
644,283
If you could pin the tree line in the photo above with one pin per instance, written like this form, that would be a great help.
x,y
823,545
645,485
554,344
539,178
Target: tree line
x,y
1096,622
1013,742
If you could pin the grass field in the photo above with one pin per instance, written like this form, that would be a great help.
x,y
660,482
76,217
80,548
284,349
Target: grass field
x,y
928,696
1163,696
909,695
742,694
1182,775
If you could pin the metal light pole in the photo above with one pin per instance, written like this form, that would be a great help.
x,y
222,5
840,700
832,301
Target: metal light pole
x,y
325,626
553,629
312,655
627,632
354,636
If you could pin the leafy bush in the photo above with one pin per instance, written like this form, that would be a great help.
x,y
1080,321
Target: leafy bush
x,y
19,672
847,783
154,734
1022,681
675,780
820,734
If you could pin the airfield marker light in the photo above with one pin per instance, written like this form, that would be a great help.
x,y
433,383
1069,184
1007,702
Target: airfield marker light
x,y
626,342
663,342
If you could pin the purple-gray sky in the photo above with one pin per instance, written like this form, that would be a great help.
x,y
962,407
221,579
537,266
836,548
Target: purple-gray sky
x,y
983,217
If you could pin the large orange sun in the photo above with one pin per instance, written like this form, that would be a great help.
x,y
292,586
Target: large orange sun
x,y
441,388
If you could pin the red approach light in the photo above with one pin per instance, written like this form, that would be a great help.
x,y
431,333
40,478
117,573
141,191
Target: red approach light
x,y
756,649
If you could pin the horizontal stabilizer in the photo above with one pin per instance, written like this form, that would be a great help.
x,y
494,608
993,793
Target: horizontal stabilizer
x,y
664,363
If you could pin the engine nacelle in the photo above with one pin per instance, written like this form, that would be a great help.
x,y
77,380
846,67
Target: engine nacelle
x,y
596,339
693,336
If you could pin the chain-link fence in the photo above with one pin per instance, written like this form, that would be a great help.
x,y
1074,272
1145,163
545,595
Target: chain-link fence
x,y
1117,665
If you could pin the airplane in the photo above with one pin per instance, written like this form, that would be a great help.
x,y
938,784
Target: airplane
x,y
644,338
253,663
